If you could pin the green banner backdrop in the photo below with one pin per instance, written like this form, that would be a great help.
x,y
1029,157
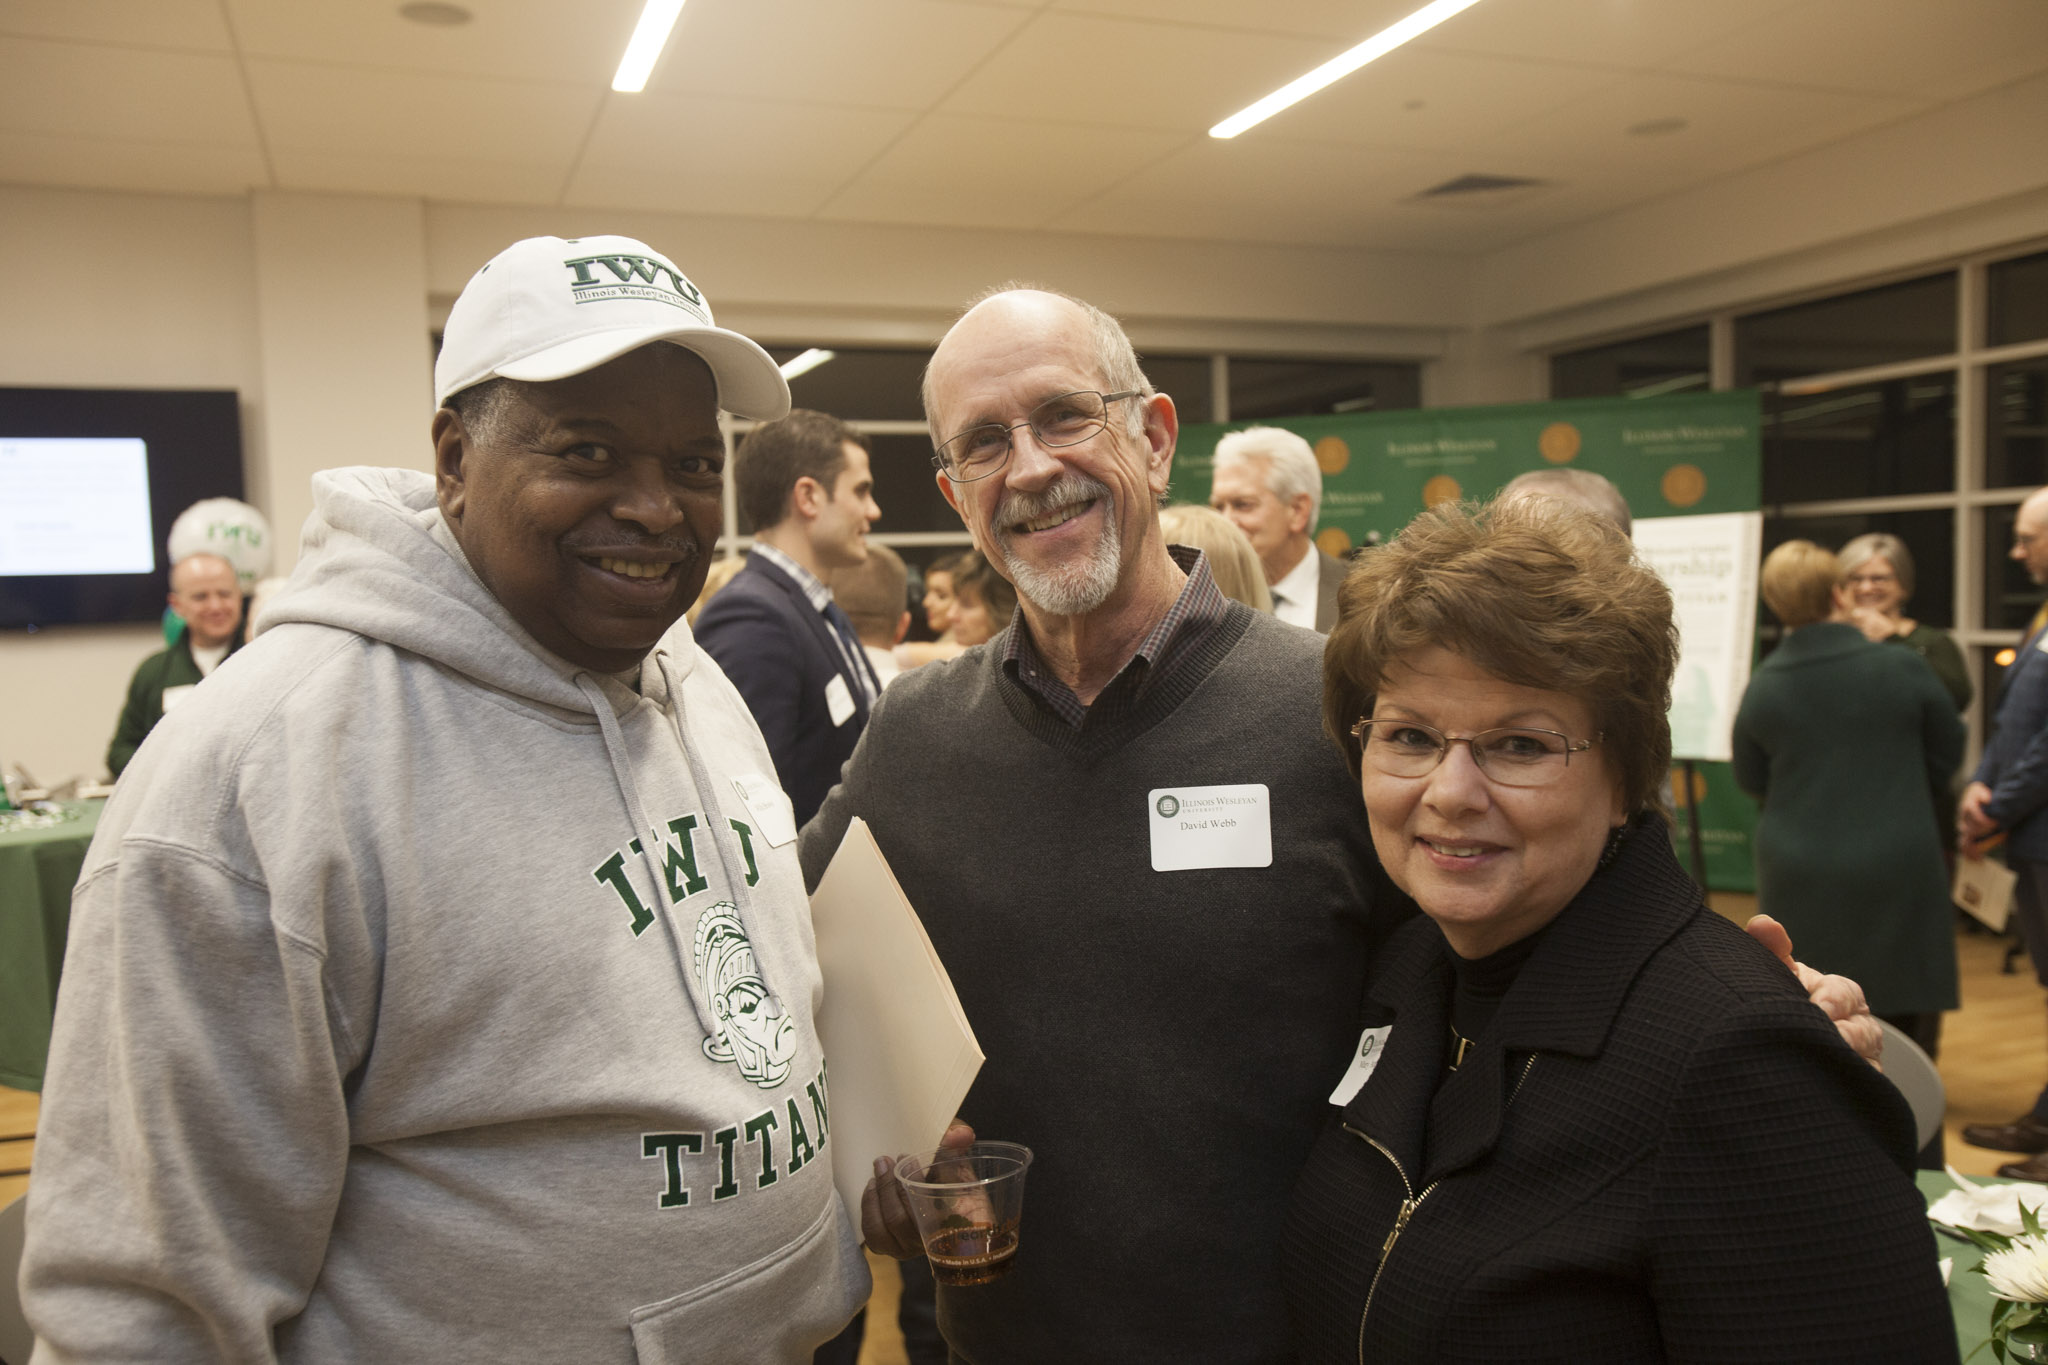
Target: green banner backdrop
x,y
1680,455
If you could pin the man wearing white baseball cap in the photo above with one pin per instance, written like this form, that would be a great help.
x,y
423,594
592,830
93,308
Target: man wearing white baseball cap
x,y
470,1018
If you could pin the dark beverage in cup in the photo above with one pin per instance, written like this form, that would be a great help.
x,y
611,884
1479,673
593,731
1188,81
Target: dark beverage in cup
x,y
976,1254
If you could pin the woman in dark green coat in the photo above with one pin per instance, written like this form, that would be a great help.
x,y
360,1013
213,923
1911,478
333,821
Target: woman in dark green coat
x,y
1843,741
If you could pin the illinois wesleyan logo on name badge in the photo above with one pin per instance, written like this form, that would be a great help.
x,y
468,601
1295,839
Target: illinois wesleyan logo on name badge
x,y
1198,827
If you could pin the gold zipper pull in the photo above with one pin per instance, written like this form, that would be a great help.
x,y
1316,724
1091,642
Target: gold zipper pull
x,y
1400,1222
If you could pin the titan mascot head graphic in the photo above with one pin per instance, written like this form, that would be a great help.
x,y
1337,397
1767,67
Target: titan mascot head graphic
x,y
754,1031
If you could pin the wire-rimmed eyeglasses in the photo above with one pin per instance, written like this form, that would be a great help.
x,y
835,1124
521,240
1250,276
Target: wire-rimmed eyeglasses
x,y
1065,420
1512,756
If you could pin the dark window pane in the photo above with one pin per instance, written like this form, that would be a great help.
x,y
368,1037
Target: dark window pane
x,y
1305,388
880,385
1871,327
1671,362
1184,378
2018,300
1994,660
2010,597
1930,536
906,486
2016,424
1867,441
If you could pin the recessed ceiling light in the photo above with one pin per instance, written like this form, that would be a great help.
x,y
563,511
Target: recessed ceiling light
x,y
643,49
1341,65
1657,127
435,13
805,363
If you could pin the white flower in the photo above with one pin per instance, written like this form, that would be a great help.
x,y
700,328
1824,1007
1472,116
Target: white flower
x,y
2020,1273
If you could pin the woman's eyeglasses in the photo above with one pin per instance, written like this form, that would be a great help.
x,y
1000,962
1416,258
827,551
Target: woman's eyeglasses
x,y
1512,756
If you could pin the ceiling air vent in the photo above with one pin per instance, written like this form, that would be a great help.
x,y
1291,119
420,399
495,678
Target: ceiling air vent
x,y
1475,191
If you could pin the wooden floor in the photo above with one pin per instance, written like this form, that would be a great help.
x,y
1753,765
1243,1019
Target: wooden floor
x,y
1994,1060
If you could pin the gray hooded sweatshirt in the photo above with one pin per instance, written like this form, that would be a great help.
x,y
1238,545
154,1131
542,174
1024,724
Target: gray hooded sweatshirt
x,y
428,998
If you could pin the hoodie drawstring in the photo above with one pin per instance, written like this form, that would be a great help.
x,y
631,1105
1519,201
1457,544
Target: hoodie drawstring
x,y
646,836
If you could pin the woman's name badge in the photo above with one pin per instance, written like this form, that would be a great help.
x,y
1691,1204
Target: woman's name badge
x,y
1372,1045
1197,827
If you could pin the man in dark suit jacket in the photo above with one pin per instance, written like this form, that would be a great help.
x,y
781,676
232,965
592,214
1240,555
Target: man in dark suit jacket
x,y
2008,794
1268,483
804,483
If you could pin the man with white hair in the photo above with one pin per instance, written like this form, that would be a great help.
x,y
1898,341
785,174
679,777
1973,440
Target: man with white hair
x,y
1268,483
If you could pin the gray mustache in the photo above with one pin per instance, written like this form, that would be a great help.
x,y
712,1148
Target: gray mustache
x,y
1069,489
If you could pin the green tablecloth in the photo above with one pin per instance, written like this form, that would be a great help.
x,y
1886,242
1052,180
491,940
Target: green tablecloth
x,y
38,868
1969,1296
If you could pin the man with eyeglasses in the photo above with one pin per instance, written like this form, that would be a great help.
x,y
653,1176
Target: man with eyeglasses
x,y
1160,929
2008,796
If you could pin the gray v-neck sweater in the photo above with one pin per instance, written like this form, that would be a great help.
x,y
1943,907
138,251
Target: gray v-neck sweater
x,y
1164,1041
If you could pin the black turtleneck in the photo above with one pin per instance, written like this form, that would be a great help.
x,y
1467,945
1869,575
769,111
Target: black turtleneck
x,y
1482,982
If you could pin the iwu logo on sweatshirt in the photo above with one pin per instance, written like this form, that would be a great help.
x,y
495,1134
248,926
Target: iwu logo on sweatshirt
x,y
678,867
754,1031
738,1167
619,276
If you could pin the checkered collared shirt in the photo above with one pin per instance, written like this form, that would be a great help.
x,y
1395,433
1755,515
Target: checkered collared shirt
x,y
1198,610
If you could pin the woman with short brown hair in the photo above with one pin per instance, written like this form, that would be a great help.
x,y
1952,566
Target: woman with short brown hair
x,y
1591,1119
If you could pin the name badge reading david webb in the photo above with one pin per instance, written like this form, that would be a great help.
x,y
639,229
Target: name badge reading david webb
x,y
1196,827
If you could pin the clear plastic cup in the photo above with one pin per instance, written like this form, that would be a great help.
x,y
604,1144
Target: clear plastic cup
x,y
968,1202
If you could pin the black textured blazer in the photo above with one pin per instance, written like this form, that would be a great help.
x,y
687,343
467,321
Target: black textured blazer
x,y
1658,1150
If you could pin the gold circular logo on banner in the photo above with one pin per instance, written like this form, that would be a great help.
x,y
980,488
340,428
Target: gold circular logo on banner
x,y
1684,485
1332,455
1559,442
1442,488
1333,542
1699,787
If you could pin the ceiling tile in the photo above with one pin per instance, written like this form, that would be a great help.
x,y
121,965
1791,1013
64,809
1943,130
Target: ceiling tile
x,y
1943,51
715,155
450,178
1082,69
1728,126
404,114
898,54
95,163
194,25
1628,34
1438,100
1288,192
78,90
960,170
1342,21
538,40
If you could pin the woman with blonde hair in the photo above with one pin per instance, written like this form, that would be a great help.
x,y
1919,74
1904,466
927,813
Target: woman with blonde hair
x,y
1845,743
1233,563
1876,584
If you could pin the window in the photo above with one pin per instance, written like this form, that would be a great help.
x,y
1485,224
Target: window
x,y
2016,424
1870,327
1305,388
1670,362
1867,441
2016,295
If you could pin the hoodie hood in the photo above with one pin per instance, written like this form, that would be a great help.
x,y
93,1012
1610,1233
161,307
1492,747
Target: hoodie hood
x,y
378,559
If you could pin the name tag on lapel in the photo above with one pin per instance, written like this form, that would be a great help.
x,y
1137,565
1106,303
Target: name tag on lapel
x,y
1198,827
1372,1045
774,817
839,700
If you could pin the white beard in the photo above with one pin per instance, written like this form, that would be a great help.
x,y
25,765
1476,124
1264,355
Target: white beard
x,y
1076,587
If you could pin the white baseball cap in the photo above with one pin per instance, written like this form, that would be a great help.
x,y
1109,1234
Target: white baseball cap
x,y
548,307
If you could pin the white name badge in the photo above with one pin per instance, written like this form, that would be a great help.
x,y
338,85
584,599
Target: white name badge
x,y
1196,827
838,700
774,817
1372,1045
174,695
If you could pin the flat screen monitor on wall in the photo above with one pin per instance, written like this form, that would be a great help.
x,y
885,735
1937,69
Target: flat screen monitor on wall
x,y
90,482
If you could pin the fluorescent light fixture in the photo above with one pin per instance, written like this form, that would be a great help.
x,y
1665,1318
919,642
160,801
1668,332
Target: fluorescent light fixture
x,y
650,36
1338,67
805,363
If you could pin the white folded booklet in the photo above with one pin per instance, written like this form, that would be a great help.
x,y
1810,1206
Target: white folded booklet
x,y
899,1052
1983,887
